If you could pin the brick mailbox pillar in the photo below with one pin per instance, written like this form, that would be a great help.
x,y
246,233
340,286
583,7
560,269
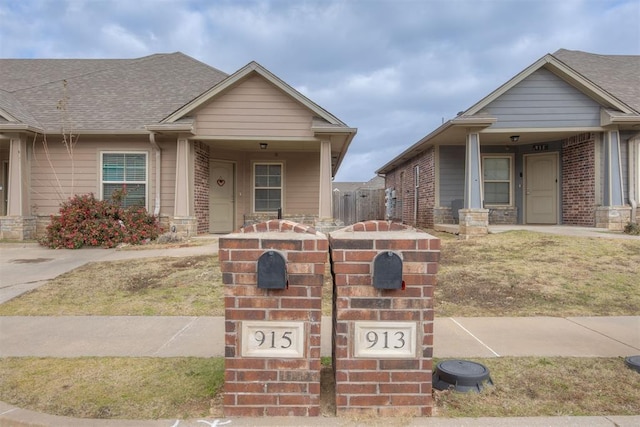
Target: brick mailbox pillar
x,y
272,328
383,324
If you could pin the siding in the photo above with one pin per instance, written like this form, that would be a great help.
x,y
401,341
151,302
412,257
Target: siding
x,y
451,161
544,100
46,194
252,108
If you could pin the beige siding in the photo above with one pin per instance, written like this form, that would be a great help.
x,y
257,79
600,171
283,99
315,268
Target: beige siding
x,y
301,174
56,176
302,178
254,107
167,179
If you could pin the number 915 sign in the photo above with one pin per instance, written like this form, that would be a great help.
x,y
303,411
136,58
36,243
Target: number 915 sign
x,y
391,340
273,339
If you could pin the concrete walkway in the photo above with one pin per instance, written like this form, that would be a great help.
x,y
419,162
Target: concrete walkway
x,y
459,337
27,266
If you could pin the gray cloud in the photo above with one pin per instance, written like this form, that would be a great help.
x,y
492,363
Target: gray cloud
x,y
393,68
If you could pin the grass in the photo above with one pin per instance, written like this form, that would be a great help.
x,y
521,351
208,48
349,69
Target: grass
x,y
165,286
521,273
518,273
182,388
136,388
528,387
508,274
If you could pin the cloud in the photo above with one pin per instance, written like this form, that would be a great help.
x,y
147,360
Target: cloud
x,y
392,68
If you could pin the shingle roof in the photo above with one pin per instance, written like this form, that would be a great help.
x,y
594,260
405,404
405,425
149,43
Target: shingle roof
x,y
103,94
619,75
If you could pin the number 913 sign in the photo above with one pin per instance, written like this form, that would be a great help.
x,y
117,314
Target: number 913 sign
x,y
385,340
273,339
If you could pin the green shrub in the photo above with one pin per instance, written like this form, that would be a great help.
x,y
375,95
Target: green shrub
x,y
632,228
86,221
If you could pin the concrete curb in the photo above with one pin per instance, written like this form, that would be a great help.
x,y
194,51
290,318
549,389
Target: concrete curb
x,y
15,417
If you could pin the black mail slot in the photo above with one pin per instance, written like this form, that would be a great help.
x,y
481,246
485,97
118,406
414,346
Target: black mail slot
x,y
272,271
387,271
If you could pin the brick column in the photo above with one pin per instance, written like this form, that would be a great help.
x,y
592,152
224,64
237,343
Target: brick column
x,y
274,369
383,339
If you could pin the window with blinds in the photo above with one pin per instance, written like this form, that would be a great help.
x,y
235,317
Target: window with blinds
x,y
128,172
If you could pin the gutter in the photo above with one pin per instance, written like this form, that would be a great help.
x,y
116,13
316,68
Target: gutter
x,y
158,153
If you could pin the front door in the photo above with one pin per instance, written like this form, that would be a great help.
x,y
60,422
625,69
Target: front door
x,y
221,199
541,189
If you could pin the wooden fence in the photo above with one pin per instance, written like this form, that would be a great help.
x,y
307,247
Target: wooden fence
x,y
360,205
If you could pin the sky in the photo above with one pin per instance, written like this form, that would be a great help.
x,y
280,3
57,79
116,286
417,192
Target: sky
x,y
394,69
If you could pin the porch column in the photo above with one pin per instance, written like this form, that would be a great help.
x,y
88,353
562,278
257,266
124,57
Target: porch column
x,y
326,209
184,222
474,219
18,196
613,214
613,195
472,170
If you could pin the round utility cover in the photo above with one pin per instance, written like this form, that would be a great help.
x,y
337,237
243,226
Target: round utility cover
x,y
633,362
461,375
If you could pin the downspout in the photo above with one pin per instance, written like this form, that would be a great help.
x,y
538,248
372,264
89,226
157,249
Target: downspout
x,y
632,179
158,153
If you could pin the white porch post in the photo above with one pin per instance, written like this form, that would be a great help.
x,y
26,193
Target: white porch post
x,y
326,209
474,219
613,167
18,196
613,214
472,171
184,222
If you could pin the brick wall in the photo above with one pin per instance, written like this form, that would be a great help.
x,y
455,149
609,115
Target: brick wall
x,y
201,186
393,386
578,180
273,386
402,179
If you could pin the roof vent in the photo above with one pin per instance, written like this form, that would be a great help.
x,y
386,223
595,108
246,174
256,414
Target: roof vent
x,y
461,375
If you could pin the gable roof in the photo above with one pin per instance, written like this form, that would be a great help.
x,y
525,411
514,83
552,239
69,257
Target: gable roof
x,y
612,80
327,120
619,75
103,95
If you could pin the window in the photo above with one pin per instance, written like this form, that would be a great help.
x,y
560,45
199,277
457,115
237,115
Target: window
x,y
267,183
125,171
496,171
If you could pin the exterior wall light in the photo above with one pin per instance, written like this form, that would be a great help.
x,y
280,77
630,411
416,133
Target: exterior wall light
x,y
263,145
514,138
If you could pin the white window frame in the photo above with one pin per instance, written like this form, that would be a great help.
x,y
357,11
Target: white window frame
x,y
254,188
146,174
511,178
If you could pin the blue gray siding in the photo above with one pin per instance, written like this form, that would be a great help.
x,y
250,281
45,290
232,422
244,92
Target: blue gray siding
x,y
544,100
451,177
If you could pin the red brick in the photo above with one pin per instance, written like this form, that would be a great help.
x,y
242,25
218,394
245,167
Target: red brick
x,y
248,314
407,400
367,377
224,243
244,411
400,388
368,400
256,399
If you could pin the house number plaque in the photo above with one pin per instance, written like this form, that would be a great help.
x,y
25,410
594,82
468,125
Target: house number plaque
x,y
273,339
392,340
